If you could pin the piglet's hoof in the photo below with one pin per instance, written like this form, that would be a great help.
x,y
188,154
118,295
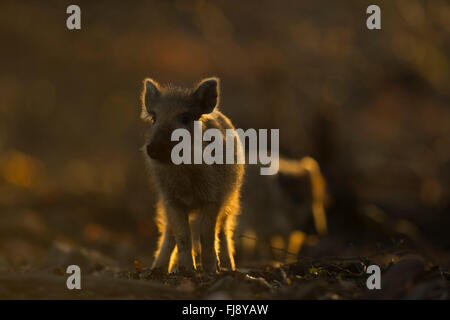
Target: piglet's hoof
x,y
186,272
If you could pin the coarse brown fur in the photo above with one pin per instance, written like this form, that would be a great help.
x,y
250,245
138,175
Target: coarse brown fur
x,y
196,201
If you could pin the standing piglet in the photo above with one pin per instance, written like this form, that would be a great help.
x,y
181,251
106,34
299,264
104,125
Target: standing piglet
x,y
205,193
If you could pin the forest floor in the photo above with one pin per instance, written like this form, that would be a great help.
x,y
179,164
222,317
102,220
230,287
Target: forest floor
x,y
405,275
113,248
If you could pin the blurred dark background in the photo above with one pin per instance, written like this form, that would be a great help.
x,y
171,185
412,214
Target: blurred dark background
x,y
371,106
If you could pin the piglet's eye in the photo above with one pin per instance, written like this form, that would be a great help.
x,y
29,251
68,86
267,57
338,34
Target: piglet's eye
x,y
152,117
185,118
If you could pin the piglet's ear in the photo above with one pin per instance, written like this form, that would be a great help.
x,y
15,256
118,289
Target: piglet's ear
x,y
207,94
151,92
